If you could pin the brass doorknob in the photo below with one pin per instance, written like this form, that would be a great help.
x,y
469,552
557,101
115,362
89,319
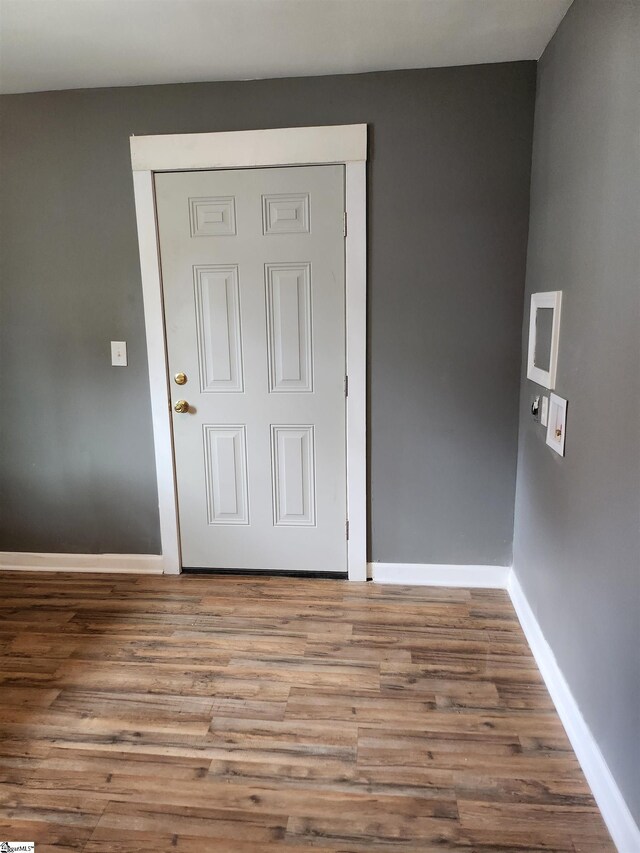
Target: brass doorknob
x,y
181,407
180,378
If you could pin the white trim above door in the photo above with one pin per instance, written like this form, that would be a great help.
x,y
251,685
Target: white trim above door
x,y
341,144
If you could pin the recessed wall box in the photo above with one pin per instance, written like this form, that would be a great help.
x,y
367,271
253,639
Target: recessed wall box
x,y
544,337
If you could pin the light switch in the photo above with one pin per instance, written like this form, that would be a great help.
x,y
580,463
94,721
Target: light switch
x,y
544,411
119,353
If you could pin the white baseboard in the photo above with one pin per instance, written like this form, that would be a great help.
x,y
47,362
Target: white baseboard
x,y
618,818
432,574
620,823
23,561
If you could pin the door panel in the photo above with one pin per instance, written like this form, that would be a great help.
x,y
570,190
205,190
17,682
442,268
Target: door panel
x,y
253,285
293,461
225,454
289,326
218,328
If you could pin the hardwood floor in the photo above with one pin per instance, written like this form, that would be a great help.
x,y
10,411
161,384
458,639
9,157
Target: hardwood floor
x,y
244,715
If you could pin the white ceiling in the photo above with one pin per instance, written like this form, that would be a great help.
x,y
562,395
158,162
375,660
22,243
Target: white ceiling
x,y
68,44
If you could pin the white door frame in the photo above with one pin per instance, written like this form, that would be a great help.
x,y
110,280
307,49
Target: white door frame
x,y
298,146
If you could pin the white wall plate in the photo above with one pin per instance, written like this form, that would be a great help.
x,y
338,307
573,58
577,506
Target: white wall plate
x,y
544,412
556,428
118,353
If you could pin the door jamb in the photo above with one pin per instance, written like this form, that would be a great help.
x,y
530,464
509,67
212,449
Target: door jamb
x,y
309,146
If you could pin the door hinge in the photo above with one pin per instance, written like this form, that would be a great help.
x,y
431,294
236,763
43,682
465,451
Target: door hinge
x,y
346,386
347,530
344,224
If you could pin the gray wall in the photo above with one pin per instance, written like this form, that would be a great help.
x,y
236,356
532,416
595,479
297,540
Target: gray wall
x,y
577,523
449,194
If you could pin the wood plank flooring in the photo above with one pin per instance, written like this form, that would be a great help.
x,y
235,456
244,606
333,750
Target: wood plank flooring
x,y
243,714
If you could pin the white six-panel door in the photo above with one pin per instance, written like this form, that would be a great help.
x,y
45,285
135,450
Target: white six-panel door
x,y
254,299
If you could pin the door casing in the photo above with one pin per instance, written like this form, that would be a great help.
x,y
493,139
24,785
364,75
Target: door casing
x,y
309,146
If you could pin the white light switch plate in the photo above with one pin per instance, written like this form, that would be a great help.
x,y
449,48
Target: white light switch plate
x,y
119,353
544,411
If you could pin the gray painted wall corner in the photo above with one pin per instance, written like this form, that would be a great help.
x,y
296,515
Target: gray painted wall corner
x,y
577,518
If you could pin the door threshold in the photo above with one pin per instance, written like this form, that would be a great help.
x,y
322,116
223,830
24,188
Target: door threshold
x,y
287,573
